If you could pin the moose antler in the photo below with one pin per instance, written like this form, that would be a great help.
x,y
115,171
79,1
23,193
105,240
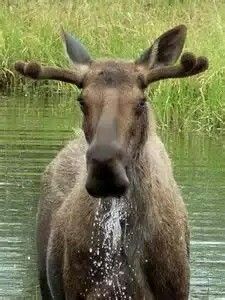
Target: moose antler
x,y
36,71
189,66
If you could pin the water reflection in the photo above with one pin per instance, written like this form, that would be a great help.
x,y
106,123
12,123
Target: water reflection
x,y
200,170
32,131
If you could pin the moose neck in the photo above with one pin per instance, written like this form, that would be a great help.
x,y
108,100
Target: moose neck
x,y
136,194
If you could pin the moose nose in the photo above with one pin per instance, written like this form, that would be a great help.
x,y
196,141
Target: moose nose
x,y
106,171
105,182
103,154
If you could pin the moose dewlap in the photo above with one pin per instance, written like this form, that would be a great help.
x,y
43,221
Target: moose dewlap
x,y
111,221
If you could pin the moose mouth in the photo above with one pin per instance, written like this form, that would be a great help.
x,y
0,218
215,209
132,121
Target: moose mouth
x,y
107,180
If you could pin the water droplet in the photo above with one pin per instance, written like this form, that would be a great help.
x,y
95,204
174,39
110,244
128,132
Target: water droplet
x,y
109,282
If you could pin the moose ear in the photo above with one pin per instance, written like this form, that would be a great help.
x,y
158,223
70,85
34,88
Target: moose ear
x,y
75,50
165,50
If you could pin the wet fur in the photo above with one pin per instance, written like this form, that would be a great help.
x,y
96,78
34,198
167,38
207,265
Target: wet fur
x,y
156,216
151,258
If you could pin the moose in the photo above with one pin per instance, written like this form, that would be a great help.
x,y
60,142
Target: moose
x,y
111,220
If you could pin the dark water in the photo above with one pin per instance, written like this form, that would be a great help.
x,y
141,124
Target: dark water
x,y
32,131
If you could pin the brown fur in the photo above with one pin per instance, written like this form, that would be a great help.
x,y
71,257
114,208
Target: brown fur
x,y
133,243
155,210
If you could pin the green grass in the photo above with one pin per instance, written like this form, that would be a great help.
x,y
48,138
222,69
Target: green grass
x,y
109,28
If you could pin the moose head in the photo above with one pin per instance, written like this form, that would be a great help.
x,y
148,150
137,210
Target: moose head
x,y
115,110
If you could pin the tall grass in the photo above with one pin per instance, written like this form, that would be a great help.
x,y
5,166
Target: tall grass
x,y
109,28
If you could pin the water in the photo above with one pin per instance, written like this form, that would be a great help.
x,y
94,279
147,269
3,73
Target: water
x,y
105,248
31,133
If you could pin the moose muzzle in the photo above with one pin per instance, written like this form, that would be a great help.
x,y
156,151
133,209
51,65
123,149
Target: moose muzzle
x,y
106,166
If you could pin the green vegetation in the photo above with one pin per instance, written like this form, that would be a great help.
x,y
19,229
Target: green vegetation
x,y
109,28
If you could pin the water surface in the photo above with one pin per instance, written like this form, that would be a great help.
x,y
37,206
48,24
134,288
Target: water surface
x,y
31,133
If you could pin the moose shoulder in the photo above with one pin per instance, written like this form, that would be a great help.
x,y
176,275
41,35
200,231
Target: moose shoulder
x,y
111,222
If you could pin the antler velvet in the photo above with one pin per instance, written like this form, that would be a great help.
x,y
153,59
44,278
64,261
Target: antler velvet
x,y
189,66
36,71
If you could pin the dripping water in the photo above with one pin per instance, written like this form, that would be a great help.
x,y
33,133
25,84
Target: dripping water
x,y
105,249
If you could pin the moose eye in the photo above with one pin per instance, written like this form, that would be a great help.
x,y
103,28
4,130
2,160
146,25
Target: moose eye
x,y
141,106
82,104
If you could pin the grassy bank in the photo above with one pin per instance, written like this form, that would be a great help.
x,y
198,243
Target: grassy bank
x,y
30,30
